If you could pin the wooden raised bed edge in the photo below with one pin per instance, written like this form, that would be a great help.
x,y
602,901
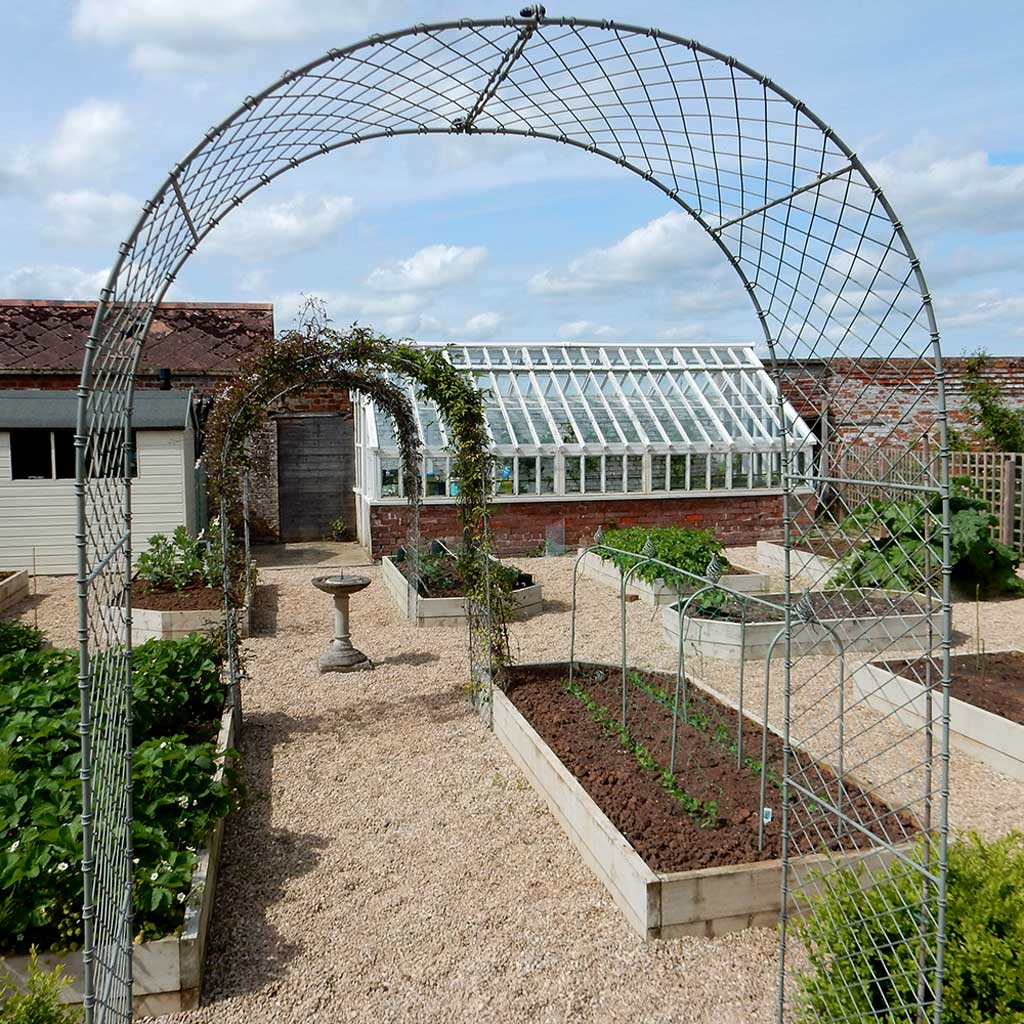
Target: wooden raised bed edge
x,y
657,905
168,972
986,736
448,611
13,589
802,563
154,624
604,571
720,638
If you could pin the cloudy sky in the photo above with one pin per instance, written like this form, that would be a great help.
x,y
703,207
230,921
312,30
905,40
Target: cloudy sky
x,y
462,238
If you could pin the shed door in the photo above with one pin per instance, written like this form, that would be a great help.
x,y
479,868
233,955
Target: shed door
x,y
315,475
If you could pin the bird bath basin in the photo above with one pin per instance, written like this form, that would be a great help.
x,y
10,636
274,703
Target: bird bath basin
x,y
341,656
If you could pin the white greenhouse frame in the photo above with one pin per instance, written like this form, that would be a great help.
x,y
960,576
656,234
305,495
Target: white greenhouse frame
x,y
592,420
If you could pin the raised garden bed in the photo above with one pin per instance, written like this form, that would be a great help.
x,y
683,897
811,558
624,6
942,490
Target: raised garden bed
x,y
658,592
671,871
169,614
874,622
167,972
986,707
803,561
527,599
13,588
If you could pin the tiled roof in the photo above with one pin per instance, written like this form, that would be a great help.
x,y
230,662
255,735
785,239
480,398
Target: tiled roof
x,y
186,337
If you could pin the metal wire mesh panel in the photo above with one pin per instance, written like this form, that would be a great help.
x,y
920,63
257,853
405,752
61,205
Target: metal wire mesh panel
x,y
842,308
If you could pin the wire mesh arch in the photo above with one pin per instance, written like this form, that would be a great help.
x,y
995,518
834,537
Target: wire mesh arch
x,y
836,289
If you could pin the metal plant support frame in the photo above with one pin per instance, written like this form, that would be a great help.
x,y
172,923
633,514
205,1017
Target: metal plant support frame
x,y
823,258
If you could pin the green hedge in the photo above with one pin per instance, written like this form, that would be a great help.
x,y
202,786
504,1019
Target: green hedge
x,y
690,550
177,701
863,964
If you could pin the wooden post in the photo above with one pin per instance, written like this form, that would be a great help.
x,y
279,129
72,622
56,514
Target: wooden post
x,y
1007,503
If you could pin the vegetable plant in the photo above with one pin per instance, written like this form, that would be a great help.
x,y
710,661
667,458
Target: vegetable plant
x,y
17,636
686,549
863,959
910,547
177,697
181,560
39,1002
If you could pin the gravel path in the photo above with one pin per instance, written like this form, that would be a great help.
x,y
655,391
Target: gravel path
x,y
391,864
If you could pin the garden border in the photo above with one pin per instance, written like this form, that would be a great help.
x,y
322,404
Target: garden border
x,y
13,589
167,972
657,905
720,638
979,733
450,611
157,624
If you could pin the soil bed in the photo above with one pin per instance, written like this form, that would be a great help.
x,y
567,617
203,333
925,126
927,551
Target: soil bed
x,y
997,685
827,604
652,820
452,584
195,597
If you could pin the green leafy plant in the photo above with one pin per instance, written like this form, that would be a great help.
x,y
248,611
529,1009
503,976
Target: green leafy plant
x,y
39,1001
908,550
17,636
338,529
686,549
177,697
181,560
859,939
994,423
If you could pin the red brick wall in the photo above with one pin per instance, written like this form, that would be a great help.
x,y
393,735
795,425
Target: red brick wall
x,y
520,527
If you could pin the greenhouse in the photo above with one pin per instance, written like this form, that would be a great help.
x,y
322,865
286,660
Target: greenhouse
x,y
601,423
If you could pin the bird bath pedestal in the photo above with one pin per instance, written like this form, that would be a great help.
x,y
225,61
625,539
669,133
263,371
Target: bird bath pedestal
x,y
341,656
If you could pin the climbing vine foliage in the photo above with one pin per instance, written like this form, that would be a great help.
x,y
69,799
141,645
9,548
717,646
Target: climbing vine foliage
x,y
362,360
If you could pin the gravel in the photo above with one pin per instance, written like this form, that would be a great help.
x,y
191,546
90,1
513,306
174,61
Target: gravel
x,y
391,863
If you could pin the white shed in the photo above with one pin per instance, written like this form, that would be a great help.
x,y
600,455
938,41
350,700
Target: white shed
x,y
37,474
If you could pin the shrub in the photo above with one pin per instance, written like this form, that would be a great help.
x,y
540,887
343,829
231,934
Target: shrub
x,y
690,550
177,698
900,558
16,636
862,962
38,1003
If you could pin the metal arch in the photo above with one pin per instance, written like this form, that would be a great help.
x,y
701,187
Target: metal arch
x,y
105,391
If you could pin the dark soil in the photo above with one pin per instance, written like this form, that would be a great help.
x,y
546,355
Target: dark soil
x,y
827,604
195,597
997,685
653,821
828,547
5,575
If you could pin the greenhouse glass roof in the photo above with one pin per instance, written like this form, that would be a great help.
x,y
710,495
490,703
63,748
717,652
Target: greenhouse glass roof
x,y
617,398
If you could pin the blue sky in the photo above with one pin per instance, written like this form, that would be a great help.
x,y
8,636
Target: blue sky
x,y
450,238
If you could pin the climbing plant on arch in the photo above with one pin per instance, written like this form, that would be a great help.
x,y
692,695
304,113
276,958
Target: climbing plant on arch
x,y
838,297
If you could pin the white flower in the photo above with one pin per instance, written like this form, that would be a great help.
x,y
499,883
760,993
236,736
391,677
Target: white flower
x,y
19,739
62,866
15,845
153,877
135,860
183,801
163,745
181,897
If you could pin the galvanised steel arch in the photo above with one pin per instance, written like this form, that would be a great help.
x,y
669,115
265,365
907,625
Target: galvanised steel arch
x,y
843,310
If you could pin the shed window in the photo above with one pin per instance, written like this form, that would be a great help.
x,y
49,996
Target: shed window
x,y
43,454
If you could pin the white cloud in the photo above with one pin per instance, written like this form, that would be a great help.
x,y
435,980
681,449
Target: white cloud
x,y
585,329
86,143
274,229
965,192
660,250
432,267
171,35
479,327
978,309
52,281
88,216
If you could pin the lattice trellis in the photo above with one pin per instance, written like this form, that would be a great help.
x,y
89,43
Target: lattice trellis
x,y
826,264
